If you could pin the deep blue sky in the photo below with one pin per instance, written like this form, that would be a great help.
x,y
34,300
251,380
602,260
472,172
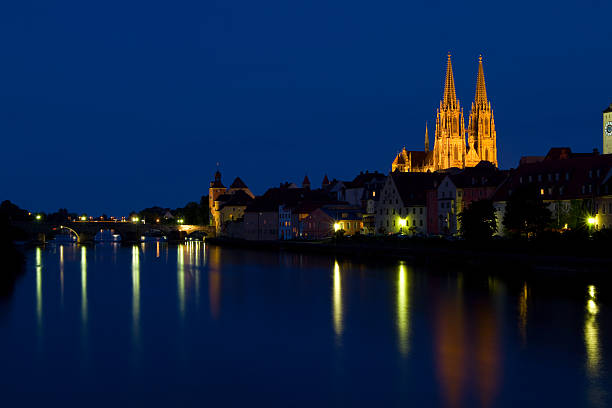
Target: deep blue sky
x,y
118,105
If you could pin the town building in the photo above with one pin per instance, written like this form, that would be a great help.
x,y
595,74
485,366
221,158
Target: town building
x,y
219,195
402,207
450,148
575,186
456,191
324,221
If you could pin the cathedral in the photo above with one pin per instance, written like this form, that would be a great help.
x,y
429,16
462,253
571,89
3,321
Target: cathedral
x,y
450,148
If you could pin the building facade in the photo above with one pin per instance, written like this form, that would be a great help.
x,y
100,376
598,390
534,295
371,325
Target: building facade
x,y
450,148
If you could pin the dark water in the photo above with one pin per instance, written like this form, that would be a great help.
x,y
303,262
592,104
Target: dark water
x,y
197,325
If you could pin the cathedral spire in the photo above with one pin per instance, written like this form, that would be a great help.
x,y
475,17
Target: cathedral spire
x,y
481,89
426,139
450,98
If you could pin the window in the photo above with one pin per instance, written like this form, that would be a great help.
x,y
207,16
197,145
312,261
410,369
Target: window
x,y
521,179
414,222
549,190
590,188
567,175
549,177
541,191
421,210
539,177
394,211
583,188
413,210
597,172
530,179
590,173
421,223
556,176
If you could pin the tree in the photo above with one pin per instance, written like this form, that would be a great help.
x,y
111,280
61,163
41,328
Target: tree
x,y
478,220
526,214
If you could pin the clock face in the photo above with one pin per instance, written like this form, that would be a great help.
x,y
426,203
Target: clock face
x,y
609,128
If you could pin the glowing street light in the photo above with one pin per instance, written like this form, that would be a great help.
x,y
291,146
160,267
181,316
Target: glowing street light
x,y
402,223
180,221
337,227
134,219
38,217
591,221
83,218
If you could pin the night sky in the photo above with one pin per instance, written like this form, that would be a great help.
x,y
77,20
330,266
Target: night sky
x,y
119,105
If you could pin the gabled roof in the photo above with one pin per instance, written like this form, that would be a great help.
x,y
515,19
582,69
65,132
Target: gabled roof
x,y
325,181
238,199
238,183
306,181
484,174
274,197
608,109
364,178
412,187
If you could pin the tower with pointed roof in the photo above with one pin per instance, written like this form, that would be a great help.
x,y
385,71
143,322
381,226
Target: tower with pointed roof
x,y
482,138
449,144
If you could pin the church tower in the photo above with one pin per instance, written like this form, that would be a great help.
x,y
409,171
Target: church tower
x,y
607,130
449,144
215,190
482,138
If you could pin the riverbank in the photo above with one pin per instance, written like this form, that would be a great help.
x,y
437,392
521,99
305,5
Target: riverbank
x,y
504,254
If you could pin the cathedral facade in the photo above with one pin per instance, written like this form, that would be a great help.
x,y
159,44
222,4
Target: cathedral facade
x,y
450,148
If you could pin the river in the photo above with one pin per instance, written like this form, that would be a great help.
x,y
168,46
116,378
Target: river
x,y
199,325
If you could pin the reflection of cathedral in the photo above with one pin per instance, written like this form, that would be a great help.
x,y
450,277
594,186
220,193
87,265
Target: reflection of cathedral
x,y
450,149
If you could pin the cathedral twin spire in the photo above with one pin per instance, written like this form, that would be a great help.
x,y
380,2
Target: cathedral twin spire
x,y
450,148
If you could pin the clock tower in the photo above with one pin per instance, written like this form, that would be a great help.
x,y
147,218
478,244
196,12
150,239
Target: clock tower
x,y
607,130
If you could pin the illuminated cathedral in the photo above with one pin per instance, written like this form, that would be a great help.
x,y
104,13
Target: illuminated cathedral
x,y
450,148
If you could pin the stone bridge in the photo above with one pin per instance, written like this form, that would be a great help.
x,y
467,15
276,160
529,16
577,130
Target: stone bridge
x,y
130,232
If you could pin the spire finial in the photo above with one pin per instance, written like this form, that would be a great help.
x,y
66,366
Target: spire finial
x,y
481,89
450,98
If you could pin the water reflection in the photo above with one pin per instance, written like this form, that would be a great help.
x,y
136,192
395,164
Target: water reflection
x,y
84,285
403,309
214,282
135,291
337,303
451,346
522,306
61,265
488,358
180,271
39,266
593,349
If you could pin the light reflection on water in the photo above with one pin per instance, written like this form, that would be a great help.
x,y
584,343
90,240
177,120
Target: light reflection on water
x,y
403,309
337,309
462,334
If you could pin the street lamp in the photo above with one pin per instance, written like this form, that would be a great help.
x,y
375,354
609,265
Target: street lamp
x,y
180,221
38,217
591,221
337,227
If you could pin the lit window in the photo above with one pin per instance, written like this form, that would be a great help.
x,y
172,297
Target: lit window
x,y
541,191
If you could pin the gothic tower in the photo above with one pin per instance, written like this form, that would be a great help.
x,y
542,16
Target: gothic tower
x,y
216,189
482,138
449,144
